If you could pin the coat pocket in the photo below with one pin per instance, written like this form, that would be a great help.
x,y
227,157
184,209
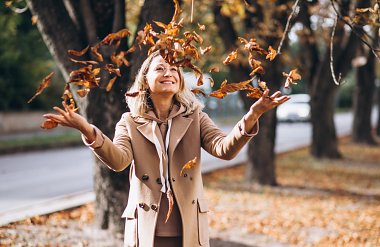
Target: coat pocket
x,y
130,232
203,235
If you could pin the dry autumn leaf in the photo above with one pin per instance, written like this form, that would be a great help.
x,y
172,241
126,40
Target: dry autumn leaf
x,y
214,70
201,27
83,92
291,78
78,53
272,53
110,83
230,88
49,124
44,84
205,50
198,91
230,57
189,165
169,195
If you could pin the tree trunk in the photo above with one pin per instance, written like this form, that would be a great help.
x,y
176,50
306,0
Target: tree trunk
x,y
261,167
70,24
363,101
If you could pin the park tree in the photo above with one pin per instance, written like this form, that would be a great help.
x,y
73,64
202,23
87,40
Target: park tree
x,y
66,25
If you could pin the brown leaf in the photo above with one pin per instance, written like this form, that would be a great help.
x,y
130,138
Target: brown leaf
x,y
291,78
95,52
169,195
198,91
231,57
78,53
34,19
111,69
83,92
201,27
214,69
189,165
205,50
49,124
44,84
84,62
110,83
114,38
230,88
272,53
254,93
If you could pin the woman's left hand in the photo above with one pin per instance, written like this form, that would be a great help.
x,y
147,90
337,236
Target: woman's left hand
x,y
264,104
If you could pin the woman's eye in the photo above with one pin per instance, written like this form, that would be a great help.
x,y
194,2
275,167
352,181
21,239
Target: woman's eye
x,y
159,68
174,69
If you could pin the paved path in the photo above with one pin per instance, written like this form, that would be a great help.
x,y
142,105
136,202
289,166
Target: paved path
x,y
46,181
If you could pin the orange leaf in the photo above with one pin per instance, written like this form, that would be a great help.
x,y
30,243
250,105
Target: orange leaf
x,y
189,165
201,27
214,69
78,53
49,124
110,83
291,77
97,55
169,195
44,84
198,91
83,92
205,50
272,53
231,57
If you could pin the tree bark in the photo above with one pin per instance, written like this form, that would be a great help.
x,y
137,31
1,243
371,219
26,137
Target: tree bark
x,y
363,102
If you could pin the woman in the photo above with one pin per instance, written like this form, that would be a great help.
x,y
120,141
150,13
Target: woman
x,y
165,129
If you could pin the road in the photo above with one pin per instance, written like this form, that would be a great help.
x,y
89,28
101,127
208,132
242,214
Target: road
x,y
37,179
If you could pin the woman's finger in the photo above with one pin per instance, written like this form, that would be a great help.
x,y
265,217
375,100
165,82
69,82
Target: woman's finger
x,y
67,108
59,110
275,95
265,93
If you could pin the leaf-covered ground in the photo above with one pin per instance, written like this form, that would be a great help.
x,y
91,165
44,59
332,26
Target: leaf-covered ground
x,y
317,203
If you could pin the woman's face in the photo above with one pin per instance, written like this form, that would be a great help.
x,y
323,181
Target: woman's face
x,y
163,78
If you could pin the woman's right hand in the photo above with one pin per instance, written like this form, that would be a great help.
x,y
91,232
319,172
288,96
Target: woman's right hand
x,y
71,119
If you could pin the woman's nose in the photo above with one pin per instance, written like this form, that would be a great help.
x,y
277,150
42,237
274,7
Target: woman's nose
x,y
168,72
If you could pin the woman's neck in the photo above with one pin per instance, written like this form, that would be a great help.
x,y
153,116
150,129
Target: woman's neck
x,y
162,106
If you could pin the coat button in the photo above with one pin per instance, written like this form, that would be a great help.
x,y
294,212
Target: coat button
x,y
173,179
142,205
185,175
158,180
154,207
145,177
193,202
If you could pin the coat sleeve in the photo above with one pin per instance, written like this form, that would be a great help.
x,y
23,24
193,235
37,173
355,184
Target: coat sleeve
x,y
220,145
116,154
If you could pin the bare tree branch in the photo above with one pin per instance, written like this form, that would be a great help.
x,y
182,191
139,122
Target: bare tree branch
x,y
355,30
336,81
287,27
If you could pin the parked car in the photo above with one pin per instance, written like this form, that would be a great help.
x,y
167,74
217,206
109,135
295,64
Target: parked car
x,y
296,109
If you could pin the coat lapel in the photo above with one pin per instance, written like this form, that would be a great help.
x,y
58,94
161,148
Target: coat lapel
x,y
179,127
146,130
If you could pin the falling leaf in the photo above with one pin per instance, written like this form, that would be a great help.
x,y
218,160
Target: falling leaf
x,y
189,165
198,91
214,69
83,92
114,38
169,195
49,124
110,84
201,27
231,57
95,52
44,84
254,93
78,53
212,83
291,77
111,69
272,53
205,50
230,88
84,62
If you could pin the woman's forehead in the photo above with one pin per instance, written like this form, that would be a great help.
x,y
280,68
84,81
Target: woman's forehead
x,y
158,60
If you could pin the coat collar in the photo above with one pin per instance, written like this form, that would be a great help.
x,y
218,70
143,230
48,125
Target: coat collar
x,y
180,125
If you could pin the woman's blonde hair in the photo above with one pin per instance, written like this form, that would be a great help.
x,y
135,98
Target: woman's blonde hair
x,y
142,103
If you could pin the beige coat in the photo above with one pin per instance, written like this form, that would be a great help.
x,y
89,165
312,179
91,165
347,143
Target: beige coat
x,y
133,144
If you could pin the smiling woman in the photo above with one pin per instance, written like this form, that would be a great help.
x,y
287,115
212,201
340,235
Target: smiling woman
x,y
164,131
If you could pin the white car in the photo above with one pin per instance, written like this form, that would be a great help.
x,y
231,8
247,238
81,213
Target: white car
x,y
296,109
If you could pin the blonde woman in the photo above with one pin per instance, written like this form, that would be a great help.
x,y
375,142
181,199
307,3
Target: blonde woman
x,y
165,129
